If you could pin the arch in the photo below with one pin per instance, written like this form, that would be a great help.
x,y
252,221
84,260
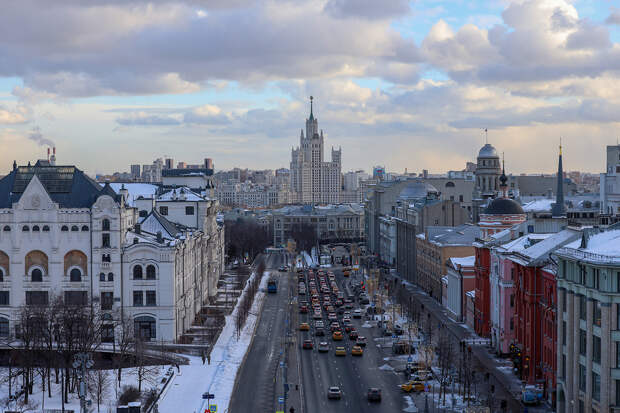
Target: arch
x,y
145,327
84,228
6,228
36,275
36,258
151,272
25,228
74,228
36,228
46,228
64,228
450,184
105,224
76,258
5,263
75,275
137,272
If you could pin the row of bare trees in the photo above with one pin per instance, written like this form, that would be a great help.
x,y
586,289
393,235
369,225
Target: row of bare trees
x,y
48,337
246,300
246,236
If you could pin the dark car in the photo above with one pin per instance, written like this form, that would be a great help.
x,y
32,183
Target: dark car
x,y
319,332
303,309
308,345
353,334
374,394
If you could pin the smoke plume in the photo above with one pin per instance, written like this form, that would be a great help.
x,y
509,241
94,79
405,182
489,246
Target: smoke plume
x,y
37,136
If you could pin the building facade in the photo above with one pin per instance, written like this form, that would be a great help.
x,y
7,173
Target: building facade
x,y
460,279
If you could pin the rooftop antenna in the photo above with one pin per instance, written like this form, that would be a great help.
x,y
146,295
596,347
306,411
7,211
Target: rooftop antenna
x,y
486,136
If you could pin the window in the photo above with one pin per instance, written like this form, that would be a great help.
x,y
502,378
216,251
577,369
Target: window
x,y
582,342
25,228
618,282
163,210
145,327
110,277
150,272
105,258
105,224
107,333
189,210
36,298
36,275
460,198
102,277
512,324
137,299
84,228
582,378
4,327
76,297
596,349
4,298
596,386
563,294
137,272
74,228
46,228
7,228
75,275
143,213
618,355
564,332
512,300
64,228
596,314
105,240
107,300
582,307
151,298
1,275
36,228
564,365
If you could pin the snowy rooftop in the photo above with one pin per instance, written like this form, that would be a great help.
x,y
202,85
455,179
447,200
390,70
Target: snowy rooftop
x,y
523,242
604,243
539,252
180,194
463,261
539,205
135,190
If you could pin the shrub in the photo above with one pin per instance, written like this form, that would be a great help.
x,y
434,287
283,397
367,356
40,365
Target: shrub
x,y
128,394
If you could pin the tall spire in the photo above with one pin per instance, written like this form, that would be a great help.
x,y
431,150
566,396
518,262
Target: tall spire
x,y
558,210
503,179
311,114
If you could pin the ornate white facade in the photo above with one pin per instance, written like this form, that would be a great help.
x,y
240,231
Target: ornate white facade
x,y
313,180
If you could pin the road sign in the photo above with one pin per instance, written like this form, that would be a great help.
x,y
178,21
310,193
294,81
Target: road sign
x,y
394,336
213,408
409,359
281,400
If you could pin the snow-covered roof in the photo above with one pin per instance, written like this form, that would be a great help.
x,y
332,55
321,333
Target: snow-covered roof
x,y
523,242
155,223
463,261
135,190
539,205
180,194
604,243
538,253
471,293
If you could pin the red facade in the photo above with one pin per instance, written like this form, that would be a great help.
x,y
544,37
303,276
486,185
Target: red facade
x,y
535,323
482,309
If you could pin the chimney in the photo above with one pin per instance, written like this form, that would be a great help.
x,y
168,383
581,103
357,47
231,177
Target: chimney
x,y
48,153
137,229
53,158
160,238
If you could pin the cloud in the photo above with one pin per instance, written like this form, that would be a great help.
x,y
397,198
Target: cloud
x,y
367,9
35,135
13,116
614,16
146,119
206,114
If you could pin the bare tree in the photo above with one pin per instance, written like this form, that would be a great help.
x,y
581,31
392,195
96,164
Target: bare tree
x,y
124,343
144,372
98,384
446,358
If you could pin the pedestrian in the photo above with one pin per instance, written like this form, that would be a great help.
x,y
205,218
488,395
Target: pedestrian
x,y
209,359
203,356
178,368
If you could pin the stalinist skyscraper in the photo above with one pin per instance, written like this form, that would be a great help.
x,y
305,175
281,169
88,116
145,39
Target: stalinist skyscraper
x,y
313,180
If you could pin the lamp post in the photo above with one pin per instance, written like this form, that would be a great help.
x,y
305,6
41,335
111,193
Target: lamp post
x,y
81,362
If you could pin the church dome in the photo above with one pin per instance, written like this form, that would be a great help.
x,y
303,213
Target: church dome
x,y
417,190
503,206
488,151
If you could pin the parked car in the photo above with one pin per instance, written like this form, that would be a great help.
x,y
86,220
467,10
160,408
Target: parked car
x,y
412,385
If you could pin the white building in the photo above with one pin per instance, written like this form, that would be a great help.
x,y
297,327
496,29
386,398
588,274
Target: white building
x,y
610,183
313,180
62,234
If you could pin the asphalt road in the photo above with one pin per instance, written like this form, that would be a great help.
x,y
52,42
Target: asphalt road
x,y
255,390
354,375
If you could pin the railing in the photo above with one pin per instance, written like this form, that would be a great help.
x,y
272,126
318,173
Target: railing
x,y
591,256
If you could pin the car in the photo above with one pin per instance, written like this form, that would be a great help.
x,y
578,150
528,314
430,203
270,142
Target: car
x,y
304,327
357,351
353,334
364,300
357,313
308,345
319,332
374,394
303,309
334,326
422,375
348,328
319,324
283,268
361,341
398,330
334,393
323,347
337,335
332,317
317,315
341,351
412,385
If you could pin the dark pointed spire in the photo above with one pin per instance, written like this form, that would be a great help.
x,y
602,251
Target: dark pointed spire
x,y
311,114
503,179
14,165
558,210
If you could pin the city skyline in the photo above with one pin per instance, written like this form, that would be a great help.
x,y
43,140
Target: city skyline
x,y
423,78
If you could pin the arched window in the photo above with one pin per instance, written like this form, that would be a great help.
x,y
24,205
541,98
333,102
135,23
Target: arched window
x,y
46,228
75,228
64,228
105,224
25,228
145,327
102,277
449,184
137,272
36,275
84,228
75,275
110,277
6,228
150,272
35,228
4,327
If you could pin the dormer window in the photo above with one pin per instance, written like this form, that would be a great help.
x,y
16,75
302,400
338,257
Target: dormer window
x,y
74,228
25,228
35,228
46,228
6,228
64,228
84,228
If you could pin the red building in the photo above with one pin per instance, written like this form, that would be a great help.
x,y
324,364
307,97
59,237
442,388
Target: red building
x,y
482,303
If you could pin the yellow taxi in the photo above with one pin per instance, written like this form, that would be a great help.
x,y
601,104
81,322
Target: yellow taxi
x,y
337,336
304,327
341,351
357,351
412,385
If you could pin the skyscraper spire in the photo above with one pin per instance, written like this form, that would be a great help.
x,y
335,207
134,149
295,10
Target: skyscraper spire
x,y
558,210
311,114
503,179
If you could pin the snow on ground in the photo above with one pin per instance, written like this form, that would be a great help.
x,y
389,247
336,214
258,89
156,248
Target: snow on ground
x,y
219,377
386,367
308,259
411,407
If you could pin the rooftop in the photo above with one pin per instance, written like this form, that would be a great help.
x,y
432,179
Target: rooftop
x,y
464,234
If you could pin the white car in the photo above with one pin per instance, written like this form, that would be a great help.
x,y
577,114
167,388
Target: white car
x,y
357,313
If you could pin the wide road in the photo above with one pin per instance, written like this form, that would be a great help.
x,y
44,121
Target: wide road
x,y
354,375
255,389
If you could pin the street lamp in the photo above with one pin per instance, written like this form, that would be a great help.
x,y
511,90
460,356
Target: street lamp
x,y
81,362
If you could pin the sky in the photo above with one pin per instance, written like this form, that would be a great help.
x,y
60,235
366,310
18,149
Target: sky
x,y
400,83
